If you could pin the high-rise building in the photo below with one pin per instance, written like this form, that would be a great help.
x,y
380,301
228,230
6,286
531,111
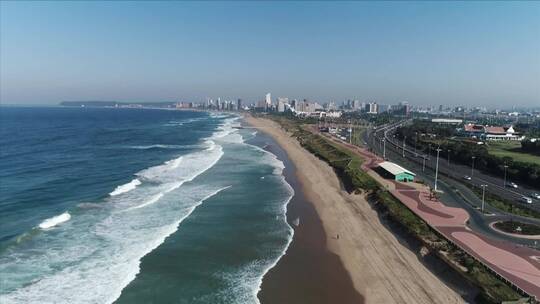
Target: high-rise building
x,y
406,107
281,106
281,102
239,104
268,99
331,106
283,99
300,106
372,108
294,102
356,104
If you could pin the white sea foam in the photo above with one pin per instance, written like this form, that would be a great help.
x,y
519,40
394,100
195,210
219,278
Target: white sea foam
x,y
157,146
289,240
89,205
106,257
156,171
126,187
152,200
228,132
101,276
99,253
176,123
245,283
255,282
55,220
274,161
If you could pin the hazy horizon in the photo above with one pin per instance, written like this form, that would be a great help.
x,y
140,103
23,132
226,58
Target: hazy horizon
x,y
426,53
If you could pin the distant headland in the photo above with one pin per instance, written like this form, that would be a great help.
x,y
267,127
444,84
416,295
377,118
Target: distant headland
x,y
117,104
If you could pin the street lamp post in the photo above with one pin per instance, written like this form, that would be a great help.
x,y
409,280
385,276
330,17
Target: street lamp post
x,y
437,167
415,140
483,195
384,148
404,138
505,167
472,166
424,163
449,157
350,132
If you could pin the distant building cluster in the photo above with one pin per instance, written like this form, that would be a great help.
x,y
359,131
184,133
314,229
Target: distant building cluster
x,y
217,104
442,114
308,108
402,108
474,111
300,107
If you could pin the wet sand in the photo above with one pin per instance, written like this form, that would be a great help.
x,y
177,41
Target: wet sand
x,y
309,272
381,267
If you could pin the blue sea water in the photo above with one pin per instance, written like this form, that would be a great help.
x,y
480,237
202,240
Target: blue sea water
x,y
136,206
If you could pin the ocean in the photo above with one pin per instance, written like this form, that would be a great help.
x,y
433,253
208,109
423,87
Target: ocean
x,y
136,206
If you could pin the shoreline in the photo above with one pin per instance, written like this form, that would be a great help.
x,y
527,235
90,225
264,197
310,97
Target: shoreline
x,y
382,268
308,272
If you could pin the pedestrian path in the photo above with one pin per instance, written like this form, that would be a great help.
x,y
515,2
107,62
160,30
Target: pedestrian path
x,y
518,265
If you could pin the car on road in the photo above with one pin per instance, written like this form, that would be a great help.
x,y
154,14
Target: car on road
x,y
512,185
535,195
467,177
526,199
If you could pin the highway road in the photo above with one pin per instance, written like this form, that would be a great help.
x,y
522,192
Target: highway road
x,y
470,230
494,184
456,194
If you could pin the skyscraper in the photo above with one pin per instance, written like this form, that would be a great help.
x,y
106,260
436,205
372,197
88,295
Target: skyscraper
x,y
281,106
268,99
239,104
372,108
356,104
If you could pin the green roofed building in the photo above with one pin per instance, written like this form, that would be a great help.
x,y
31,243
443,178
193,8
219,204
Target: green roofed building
x,y
395,171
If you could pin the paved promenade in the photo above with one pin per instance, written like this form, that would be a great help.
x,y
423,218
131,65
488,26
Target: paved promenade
x,y
519,265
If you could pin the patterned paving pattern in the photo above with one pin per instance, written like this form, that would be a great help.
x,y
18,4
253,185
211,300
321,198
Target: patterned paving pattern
x,y
520,265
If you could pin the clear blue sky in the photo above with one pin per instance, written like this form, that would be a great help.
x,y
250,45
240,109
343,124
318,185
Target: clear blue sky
x,y
482,53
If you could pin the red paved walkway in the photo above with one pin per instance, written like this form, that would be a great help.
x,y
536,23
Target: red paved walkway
x,y
519,265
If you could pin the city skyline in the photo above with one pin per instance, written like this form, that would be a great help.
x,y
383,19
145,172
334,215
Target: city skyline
x,y
486,54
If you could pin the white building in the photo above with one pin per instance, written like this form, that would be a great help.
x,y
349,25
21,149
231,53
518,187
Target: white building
x,y
281,106
491,132
447,121
356,105
268,99
333,114
372,108
312,107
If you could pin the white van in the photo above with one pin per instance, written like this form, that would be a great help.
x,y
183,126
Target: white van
x,y
527,200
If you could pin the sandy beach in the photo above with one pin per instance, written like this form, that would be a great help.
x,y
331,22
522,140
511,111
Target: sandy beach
x,y
381,267
308,272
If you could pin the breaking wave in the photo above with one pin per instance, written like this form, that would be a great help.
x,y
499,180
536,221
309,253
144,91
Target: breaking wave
x,y
98,254
126,187
55,220
157,146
